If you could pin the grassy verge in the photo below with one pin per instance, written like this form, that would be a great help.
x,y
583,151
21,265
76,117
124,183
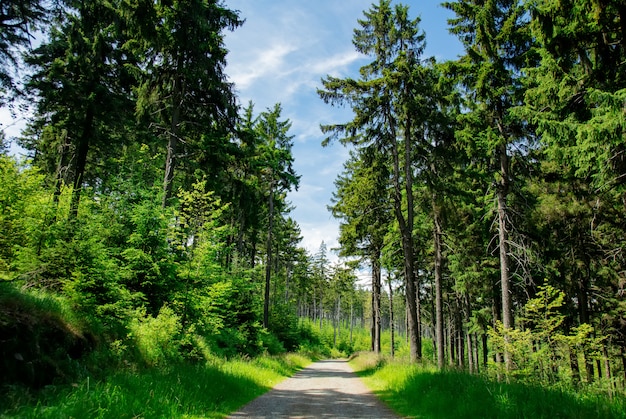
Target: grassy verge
x,y
420,391
180,391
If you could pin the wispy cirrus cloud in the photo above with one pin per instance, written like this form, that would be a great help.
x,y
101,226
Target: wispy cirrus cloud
x,y
265,63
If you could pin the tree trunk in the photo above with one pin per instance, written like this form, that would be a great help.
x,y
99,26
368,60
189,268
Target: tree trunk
x,y
607,369
376,306
335,326
391,320
268,265
339,316
485,350
507,317
583,310
468,334
321,311
438,293
351,320
419,320
82,149
406,227
172,141
623,356
573,363
503,236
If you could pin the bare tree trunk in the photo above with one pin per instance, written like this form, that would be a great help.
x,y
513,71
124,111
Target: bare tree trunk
x,y
583,309
339,316
82,149
172,141
321,311
351,319
607,369
438,293
391,320
485,350
573,363
406,232
468,334
419,319
268,265
496,318
623,355
507,314
376,305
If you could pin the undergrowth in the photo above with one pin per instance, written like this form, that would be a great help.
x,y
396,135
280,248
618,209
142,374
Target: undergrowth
x,y
420,391
185,390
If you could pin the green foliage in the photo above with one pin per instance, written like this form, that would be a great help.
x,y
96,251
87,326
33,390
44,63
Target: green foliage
x,y
453,394
147,265
24,206
158,339
210,390
539,350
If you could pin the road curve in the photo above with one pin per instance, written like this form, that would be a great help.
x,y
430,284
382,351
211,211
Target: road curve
x,y
325,389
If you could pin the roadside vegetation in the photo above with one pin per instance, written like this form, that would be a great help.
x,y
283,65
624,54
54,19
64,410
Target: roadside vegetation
x,y
423,391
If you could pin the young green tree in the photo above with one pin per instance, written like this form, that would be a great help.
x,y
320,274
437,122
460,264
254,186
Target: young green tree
x,y
361,202
275,162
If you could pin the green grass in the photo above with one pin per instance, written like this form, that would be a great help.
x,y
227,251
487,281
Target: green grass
x,y
420,391
181,391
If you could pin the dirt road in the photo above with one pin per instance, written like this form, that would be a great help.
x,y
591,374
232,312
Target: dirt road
x,y
325,389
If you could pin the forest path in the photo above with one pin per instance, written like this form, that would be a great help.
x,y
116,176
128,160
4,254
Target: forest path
x,y
325,389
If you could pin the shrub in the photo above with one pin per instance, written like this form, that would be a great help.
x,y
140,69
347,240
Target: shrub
x,y
158,338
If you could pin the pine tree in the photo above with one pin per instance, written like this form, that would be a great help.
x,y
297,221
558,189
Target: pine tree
x,y
182,72
496,39
382,100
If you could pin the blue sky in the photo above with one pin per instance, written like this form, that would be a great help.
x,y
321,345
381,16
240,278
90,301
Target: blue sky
x,y
281,53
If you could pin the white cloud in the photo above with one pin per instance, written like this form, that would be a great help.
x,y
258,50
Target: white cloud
x,y
266,63
336,64
316,233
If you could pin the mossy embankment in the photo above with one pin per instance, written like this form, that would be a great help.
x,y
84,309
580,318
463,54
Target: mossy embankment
x,y
57,364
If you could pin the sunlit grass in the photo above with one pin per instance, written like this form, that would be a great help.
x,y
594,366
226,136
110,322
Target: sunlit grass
x,y
420,391
180,391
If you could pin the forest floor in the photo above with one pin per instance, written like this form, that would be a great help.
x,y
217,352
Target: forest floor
x,y
324,389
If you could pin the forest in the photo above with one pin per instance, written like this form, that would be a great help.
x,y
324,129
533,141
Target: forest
x,y
149,223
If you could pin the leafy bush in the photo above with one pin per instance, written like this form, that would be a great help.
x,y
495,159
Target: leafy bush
x,y
158,338
271,343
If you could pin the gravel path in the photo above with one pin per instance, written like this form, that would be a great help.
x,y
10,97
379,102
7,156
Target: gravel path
x,y
325,389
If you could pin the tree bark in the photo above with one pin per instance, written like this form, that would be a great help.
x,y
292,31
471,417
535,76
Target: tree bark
x,y
82,149
438,293
391,320
406,227
468,335
172,142
503,236
583,309
268,264
376,308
